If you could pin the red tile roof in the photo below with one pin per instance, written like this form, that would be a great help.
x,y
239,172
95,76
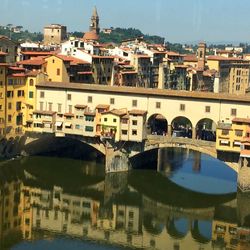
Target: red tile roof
x,y
222,58
190,58
80,106
137,112
69,114
17,68
44,112
102,106
38,53
243,120
85,73
35,62
18,75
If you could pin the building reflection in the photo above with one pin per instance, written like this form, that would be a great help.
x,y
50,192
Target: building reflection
x,y
118,215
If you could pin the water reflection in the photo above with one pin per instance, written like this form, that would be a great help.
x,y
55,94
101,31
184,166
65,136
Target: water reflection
x,y
113,211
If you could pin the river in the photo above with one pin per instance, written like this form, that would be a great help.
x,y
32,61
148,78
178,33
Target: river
x,y
191,202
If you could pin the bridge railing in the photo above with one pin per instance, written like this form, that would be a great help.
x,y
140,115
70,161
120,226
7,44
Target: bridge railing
x,y
180,140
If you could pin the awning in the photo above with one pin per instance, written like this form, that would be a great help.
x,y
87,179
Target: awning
x,y
58,124
68,124
224,142
237,143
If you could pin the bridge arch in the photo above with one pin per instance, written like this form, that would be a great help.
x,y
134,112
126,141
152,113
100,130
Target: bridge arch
x,y
206,129
157,124
49,142
181,127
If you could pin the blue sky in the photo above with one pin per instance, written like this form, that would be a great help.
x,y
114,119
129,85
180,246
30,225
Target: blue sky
x,y
176,20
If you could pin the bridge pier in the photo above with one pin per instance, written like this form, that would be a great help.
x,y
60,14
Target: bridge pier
x,y
193,133
170,130
116,161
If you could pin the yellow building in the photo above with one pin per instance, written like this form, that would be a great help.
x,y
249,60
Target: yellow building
x,y
111,122
3,69
230,136
234,73
20,100
57,68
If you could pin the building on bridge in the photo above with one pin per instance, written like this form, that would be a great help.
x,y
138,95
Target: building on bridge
x,y
119,125
233,138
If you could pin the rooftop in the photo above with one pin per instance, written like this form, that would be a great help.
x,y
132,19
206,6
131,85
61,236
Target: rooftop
x,y
242,120
145,91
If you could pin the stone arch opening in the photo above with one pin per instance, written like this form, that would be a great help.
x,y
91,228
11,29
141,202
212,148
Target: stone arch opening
x,y
182,127
206,130
157,124
201,231
62,146
152,225
177,228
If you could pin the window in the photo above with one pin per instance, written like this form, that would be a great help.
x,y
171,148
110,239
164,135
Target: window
x,y
114,120
58,72
31,94
158,105
89,129
134,122
89,118
9,118
182,107
112,100
131,214
50,106
134,132
20,93
9,105
69,97
134,103
41,106
70,108
233,112
10,81
10,94
18,106
124,132
42,94
59,107
238,133
225,132
207,109
90,99
31,82
124,121
105,119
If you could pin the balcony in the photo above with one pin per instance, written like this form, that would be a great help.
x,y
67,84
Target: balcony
x,y
107,135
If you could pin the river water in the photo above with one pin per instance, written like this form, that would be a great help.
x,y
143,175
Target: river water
x,y
191,202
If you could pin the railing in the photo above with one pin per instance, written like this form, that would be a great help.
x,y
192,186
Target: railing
x,y
180,140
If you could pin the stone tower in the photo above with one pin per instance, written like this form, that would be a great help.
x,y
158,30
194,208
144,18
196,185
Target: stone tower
x,y
94,23
201,56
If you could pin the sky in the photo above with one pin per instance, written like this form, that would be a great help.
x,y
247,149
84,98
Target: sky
x,y
175,20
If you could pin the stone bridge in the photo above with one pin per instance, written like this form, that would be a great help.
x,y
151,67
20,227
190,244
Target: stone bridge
x,y
117,154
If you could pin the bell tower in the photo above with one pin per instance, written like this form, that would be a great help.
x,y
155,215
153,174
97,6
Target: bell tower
x,y
94,22
201,56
